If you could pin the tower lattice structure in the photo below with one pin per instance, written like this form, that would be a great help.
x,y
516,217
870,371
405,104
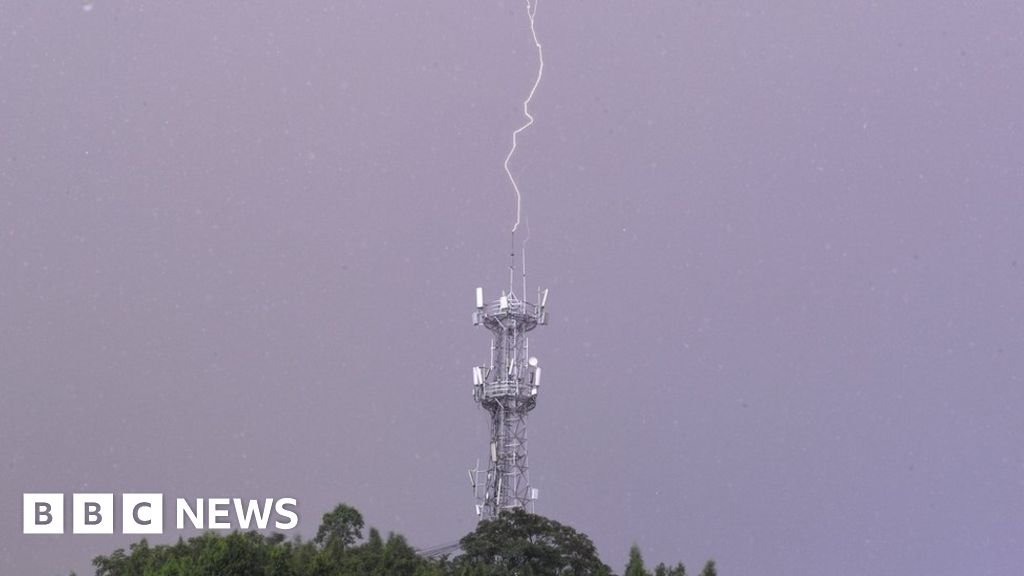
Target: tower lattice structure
x,y
507,389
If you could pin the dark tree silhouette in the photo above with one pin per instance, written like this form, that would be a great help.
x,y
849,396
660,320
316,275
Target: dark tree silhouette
x,y
519,542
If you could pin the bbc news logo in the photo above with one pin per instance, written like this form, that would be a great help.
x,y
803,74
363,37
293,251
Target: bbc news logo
x,y
43,513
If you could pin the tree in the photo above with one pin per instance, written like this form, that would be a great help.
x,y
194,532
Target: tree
x,y
517,542
335,552
635,566
340,529
663,570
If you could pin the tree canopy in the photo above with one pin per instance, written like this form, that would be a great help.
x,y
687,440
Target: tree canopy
x,y
340,529
516,542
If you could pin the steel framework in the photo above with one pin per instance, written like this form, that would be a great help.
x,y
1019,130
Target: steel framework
x,y
507,389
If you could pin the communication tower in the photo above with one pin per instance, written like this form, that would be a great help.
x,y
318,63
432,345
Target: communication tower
x,y
507,389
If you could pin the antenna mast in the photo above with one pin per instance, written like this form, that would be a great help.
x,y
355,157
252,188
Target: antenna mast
x,y
507,388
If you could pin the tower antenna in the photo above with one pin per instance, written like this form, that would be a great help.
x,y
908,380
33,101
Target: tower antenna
x,y
507,386
507,389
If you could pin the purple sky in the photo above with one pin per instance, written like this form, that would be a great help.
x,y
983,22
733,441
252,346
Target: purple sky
x,y
785,247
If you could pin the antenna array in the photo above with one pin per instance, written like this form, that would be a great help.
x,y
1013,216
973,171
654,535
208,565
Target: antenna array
x,y
507,389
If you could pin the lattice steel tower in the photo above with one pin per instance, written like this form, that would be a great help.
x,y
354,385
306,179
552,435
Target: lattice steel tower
x,y
507,389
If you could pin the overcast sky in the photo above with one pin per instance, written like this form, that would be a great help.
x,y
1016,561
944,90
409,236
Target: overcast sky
x,y
784,242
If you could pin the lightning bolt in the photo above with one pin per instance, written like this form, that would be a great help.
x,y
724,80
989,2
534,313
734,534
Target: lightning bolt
x,y
531,11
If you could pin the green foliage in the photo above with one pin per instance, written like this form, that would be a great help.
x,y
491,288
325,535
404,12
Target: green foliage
x,y
334,552
515,542
677,570
339,529
635,565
